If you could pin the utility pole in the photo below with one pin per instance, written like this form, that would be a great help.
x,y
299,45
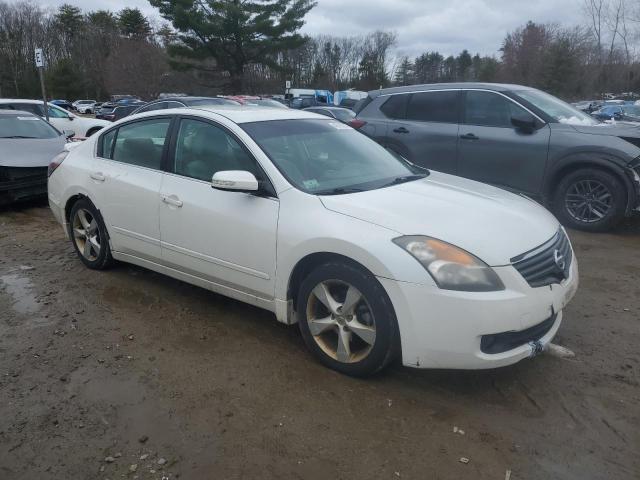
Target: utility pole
x,y
40,64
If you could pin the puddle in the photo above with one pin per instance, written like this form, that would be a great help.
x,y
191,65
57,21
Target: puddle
x,y
24,301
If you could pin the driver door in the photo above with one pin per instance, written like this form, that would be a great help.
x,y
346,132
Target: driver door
x,y
225,237
492,150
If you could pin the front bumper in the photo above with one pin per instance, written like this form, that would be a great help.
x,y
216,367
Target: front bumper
x,y
444,328
21,183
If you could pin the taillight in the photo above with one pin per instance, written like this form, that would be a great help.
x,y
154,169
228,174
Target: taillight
x,y
357,123
55,162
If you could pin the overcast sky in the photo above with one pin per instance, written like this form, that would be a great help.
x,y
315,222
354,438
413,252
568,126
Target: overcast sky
x,y
444,25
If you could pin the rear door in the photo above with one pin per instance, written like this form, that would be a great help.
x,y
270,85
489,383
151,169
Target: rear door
x,y
126,175
424,127
492,150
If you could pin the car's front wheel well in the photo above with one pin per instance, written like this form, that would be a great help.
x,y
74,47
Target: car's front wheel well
x,y
574,166
309,263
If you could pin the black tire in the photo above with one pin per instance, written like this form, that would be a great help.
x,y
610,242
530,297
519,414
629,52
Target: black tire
x,y
386,343
565,194
103,259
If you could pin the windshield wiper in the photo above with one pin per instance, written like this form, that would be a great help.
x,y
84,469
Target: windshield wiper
x,y
339,191
403,179
18,136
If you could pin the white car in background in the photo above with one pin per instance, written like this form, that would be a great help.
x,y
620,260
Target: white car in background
x,y
58,117
302,215
84,106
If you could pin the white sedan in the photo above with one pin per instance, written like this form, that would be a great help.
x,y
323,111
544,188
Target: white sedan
x,y
302,215
58,117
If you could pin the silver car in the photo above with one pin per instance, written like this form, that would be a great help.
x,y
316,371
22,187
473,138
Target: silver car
x,y
514,137
27,146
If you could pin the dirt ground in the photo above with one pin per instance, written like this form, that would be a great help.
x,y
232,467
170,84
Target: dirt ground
x,y
129,374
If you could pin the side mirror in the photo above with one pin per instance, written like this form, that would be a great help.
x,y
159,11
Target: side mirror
x,y
69,134
235,180
524,122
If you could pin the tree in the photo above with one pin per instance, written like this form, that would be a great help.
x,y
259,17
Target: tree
x,y
404,74
234,33
133,23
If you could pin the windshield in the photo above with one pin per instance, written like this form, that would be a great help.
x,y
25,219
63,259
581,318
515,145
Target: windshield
x,y
631,110
327,157
560,111
25,126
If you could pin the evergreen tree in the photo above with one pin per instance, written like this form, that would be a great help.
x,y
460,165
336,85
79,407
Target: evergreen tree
x,y
405,72
133,23
234,33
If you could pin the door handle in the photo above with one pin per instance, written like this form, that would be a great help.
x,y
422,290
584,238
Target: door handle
x,y
401,130
172,200
469,136
97,176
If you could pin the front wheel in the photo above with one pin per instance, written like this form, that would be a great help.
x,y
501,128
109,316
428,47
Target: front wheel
x,y
590,199
346,319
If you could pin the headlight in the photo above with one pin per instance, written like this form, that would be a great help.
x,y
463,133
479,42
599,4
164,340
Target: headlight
x,y
451,267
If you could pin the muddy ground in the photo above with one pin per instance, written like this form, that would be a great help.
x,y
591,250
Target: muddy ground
x,y
121,364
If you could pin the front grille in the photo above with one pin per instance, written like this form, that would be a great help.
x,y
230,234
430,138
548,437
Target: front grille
x,y
549,263
11,174
505,341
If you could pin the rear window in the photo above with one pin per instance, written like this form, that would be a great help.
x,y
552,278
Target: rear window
x,y
436,106
395,106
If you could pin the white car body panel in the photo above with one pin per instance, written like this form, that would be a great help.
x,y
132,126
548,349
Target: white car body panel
x,y
246,247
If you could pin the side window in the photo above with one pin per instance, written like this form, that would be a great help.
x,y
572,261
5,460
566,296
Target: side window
x,y
34,108
490,110
433,106
395,106
203,149
174,105
57,112
105,146
141,143
153,106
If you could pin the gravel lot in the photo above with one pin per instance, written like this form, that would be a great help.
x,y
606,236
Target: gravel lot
x,y
127,373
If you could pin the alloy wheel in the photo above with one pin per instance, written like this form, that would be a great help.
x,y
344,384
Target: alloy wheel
x,y
588,200
341,321
86,234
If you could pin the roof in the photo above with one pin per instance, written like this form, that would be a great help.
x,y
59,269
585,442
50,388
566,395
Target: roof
x,y
498,87
21,100
327,107
246,114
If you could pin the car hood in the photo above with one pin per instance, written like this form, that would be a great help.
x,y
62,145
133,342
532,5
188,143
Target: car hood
x,y
29,152
617,129
489,222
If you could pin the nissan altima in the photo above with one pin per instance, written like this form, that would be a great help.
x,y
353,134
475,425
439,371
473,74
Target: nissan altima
x,y
373,257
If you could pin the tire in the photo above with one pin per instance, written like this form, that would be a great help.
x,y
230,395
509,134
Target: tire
x,y
368,352
89,235
590,199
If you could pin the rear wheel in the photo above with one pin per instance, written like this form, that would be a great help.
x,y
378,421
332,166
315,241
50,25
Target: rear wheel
x,y
590,199
89,235
346,319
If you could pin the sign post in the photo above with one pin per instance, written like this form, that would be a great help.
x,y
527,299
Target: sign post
x,y
40,64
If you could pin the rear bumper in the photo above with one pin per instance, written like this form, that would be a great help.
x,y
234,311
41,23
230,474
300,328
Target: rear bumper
x,y
445,329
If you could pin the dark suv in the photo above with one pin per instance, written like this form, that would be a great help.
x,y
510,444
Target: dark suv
x,y
515,137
